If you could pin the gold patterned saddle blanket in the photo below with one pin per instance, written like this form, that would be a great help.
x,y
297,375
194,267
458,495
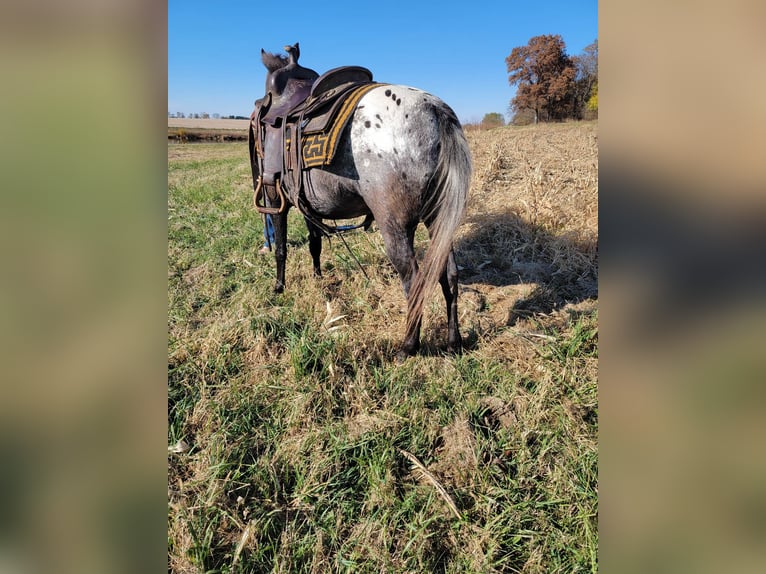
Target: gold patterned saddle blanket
x,y
314,111
319,123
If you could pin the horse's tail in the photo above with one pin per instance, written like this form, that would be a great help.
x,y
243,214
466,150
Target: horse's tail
x,y
443,208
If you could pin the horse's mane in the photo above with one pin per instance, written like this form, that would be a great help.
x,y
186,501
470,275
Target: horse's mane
x,y
273,61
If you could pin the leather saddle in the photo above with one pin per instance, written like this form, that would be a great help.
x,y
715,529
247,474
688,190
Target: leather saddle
x,y
299,106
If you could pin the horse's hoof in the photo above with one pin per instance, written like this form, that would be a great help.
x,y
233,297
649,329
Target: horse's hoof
x,y
455,348
454,342
405,352
279,288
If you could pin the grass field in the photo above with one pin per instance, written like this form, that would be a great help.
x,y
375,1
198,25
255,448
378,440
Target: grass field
x,y
297,444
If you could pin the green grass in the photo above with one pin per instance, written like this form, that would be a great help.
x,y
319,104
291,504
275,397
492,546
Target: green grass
x,y
296,429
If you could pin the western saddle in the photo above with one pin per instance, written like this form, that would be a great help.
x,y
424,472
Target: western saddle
x,y
297,126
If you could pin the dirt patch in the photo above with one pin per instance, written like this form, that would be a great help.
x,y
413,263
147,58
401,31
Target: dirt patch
x,y
457,461
363,423
194,274
496,413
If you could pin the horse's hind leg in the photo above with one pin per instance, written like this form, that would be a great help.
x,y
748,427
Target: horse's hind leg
x,y
399,248
315,246
448,281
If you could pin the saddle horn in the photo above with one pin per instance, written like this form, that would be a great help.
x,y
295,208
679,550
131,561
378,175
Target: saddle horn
x,y
293,52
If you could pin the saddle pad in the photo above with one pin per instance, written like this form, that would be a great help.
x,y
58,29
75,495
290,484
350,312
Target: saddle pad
x,y
319,148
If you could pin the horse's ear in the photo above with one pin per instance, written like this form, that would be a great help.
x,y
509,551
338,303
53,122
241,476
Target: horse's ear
x,y
272,61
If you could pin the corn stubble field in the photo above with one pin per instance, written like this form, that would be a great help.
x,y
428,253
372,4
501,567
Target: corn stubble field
x,y
297,444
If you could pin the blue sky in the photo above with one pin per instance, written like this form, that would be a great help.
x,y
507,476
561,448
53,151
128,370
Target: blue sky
x,y
454,50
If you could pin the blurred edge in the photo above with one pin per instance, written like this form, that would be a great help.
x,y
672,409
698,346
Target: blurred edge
x,y
682,254
83,289
82,292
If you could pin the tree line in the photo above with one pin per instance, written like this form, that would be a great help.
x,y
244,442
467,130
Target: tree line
x,y
204,116
550,84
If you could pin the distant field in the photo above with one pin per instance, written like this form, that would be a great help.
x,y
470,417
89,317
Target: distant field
x,y
296,443
210,124
188,130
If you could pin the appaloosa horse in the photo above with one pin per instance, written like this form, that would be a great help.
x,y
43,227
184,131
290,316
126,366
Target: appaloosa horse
x,y
401,157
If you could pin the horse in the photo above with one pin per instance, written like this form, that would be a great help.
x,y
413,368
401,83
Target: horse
x,y
402,158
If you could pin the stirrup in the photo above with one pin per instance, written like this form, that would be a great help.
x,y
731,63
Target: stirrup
x,y
258,197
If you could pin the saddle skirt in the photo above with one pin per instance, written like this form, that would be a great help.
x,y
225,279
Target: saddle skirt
x,y
314,113
321,122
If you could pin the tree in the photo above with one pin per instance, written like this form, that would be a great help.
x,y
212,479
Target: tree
x,y
523,117
544,75
587,77
493,120
593,101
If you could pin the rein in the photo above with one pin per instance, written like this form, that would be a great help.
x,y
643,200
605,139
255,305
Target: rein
x,y
340,232
329,230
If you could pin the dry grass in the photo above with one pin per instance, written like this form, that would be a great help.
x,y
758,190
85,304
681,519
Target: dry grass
x,y
303,432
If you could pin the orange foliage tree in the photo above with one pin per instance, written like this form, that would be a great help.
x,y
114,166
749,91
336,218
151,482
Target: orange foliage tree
x,y
545,78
